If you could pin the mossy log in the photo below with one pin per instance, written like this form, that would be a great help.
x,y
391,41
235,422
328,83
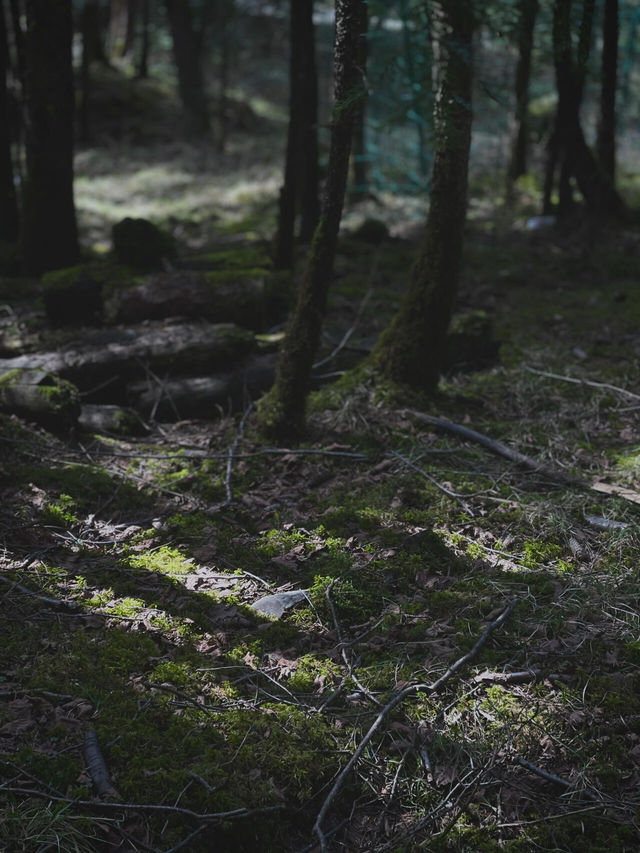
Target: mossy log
x,y
40,396
247,298
159,349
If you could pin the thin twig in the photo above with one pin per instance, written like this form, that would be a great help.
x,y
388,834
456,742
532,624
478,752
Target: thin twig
x,y
144,807
588,382
465,506
551,777
345,338
399,697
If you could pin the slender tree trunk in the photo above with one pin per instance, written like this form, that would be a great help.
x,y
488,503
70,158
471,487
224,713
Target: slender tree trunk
x,y
118,27
411,350
309,175
188,64
570,146
282,411
9,220
50,238
18,37
423,163
360,163
301,160
606,141
519,146
145,37
132,24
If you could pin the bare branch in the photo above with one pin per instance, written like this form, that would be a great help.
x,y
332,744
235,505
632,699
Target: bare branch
x,y
397,699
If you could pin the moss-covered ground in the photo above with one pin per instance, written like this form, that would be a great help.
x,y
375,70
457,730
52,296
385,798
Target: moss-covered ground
x,y
129,568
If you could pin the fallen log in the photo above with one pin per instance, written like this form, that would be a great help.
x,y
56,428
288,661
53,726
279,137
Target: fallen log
x,y
102,370
40,396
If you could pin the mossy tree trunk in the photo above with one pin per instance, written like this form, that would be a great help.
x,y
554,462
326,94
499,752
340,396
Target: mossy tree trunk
x,y
188,65
50,237
281,413
519,146
411,350
606,141
301,160
9,222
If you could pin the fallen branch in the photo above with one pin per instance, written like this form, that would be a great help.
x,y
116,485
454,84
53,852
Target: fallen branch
x,y
522,677
498,448
574,380
527,462
209,817
397,699
97,766
551,777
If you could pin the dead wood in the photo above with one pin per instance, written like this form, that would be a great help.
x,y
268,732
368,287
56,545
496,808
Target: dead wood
x,y
178,349
399,697
527,462
97,766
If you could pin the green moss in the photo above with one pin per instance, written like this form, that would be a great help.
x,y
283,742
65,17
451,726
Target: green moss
x,y
240,258
60,513
537,553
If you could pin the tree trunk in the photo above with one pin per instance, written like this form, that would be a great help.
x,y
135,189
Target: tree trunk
x,y
301,161
9,222
606,141
188,64
519,146
309,175
568,138
415,84
145,38
360,163
50,238
412,349
18,37
132,25
118,27
282,411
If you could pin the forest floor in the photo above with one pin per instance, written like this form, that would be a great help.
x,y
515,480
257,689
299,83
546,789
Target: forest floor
x,y
477,622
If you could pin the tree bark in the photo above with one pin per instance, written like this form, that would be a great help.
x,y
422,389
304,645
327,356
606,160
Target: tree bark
x,y
18,37
519,146
309,175
188,65
118,27
606,141
568,143
145,38
301,160
50,238
282,411
360,162
9,221
412,349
